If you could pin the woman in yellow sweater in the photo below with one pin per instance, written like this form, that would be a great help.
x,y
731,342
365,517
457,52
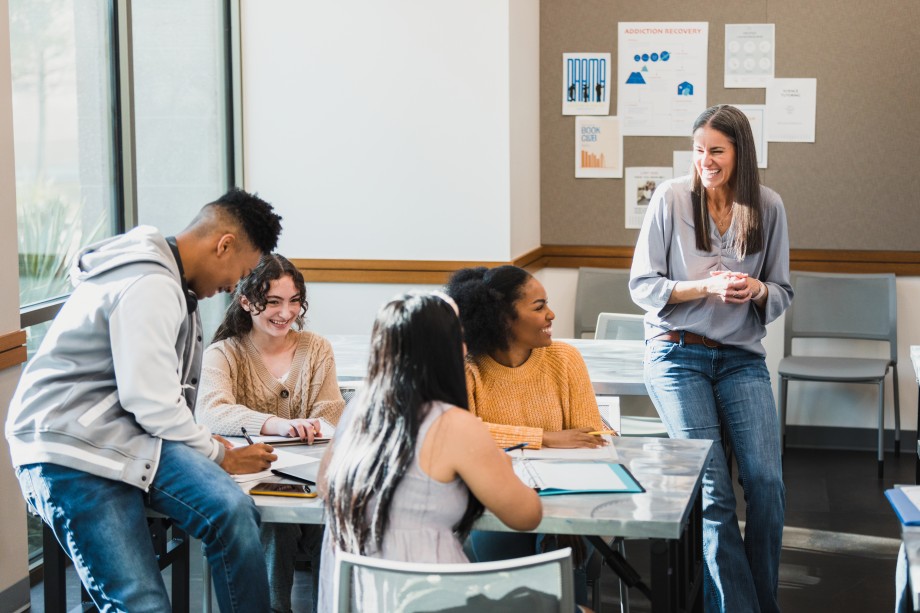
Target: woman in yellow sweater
x,y
524,386
264,373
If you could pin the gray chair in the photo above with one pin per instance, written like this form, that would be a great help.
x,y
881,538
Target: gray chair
x,y
629,327
535,584
601,290
620,326
843,306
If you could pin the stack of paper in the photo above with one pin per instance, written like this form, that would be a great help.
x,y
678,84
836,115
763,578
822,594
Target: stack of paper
x,y
555,478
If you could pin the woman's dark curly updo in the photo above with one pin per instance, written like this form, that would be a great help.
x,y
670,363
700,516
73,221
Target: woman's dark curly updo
x,y
486,297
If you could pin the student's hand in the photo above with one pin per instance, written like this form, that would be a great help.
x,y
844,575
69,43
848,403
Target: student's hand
x,y
248,459
577,437
227,444
304,429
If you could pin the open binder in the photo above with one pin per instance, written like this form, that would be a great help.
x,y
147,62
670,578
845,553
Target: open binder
x,y
557,478
904,501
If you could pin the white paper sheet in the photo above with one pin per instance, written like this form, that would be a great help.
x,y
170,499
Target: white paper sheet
x,y
585,83
640,184
285,459
791,110
598,148
661,81
582,455
750,51
756,114
682,163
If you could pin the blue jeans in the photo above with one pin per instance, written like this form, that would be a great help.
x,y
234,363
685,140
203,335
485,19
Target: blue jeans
x,y
282,543
698,391
102,526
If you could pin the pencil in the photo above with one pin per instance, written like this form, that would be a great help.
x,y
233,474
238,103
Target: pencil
x,y
600,432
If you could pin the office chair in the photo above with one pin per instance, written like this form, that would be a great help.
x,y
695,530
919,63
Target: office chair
x,y
537,584
601,290
843,306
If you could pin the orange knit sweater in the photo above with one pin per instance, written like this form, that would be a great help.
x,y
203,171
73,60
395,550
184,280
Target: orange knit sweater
x,y
550,391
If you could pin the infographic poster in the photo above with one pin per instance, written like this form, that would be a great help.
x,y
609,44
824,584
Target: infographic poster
x,y
750,51
661,85
598,148
586,83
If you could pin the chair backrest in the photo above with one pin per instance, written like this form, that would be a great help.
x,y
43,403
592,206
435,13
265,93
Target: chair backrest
x,y
620,326
853,306
350,388
601,290
536,584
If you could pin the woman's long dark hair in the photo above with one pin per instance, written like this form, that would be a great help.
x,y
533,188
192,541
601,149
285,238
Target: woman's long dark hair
x,y
486,298
237,320
747,214
416,358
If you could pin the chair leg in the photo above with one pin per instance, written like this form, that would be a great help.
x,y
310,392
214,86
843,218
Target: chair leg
x,y
783,389
624,589
897,412
881,428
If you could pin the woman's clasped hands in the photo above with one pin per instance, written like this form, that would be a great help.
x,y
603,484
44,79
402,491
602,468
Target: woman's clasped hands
x,y
732,287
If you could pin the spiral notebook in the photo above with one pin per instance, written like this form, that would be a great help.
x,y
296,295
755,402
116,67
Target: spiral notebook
x,y
557,478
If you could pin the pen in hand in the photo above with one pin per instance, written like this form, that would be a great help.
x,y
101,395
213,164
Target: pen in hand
x,y
246,435
513,447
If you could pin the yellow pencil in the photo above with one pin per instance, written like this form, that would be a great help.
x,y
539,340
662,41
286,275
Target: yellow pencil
x,y
600,432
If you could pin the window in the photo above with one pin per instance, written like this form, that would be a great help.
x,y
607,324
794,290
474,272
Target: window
x,y
70,153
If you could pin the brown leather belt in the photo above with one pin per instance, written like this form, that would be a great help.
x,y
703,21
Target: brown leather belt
x,y
689,339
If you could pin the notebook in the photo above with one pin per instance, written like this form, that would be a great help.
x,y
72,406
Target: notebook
x,y
327,429
556,478
306,472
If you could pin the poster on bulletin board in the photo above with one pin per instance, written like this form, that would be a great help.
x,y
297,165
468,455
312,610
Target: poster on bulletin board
x,y
640,185
585,83
598,148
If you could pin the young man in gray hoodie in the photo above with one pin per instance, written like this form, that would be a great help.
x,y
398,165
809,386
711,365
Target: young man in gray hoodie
x,y
101,424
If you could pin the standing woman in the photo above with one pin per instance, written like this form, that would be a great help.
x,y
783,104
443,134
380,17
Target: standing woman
x,y
410,468
711,269
263,372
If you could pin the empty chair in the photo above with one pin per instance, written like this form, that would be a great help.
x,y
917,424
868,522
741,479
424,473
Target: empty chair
x,y
536,583
843,306
601,290
629,327
620,326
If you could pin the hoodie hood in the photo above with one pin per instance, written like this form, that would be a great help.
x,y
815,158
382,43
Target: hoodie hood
x,y
142,244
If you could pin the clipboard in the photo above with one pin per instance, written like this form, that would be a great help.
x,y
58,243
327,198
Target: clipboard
x,y
559,478
905,509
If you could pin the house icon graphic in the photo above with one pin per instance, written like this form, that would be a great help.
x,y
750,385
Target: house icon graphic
x,y
685,89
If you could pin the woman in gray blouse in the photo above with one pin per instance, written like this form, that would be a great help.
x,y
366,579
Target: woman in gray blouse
x,y
711,269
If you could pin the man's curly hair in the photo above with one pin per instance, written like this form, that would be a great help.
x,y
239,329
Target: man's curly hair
x,y
486,300
255,216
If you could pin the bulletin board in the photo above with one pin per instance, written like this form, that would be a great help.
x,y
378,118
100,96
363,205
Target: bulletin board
x,y
857,187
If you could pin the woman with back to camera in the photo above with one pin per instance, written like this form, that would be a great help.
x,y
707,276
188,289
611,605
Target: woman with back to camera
x,y
525,386
410,468
711,269
266,374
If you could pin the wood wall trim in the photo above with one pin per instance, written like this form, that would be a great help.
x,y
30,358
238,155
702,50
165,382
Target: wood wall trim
x,y
435,272
12,349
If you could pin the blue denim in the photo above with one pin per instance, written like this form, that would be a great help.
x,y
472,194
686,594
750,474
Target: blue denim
x,y
102,526
282,544
698,391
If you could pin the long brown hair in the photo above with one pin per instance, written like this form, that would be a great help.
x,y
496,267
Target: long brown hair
x,y
747,214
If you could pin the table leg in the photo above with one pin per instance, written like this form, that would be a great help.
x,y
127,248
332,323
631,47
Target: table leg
x,y
677,567
55,585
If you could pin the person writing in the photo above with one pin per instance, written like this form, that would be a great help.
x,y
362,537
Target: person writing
x,y
266,374
410,468
101,425
711,269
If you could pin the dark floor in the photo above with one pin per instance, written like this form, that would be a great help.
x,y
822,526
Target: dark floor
x,y
839,545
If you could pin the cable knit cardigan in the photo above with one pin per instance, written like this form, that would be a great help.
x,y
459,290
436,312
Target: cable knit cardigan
x,y
550,391
237,390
